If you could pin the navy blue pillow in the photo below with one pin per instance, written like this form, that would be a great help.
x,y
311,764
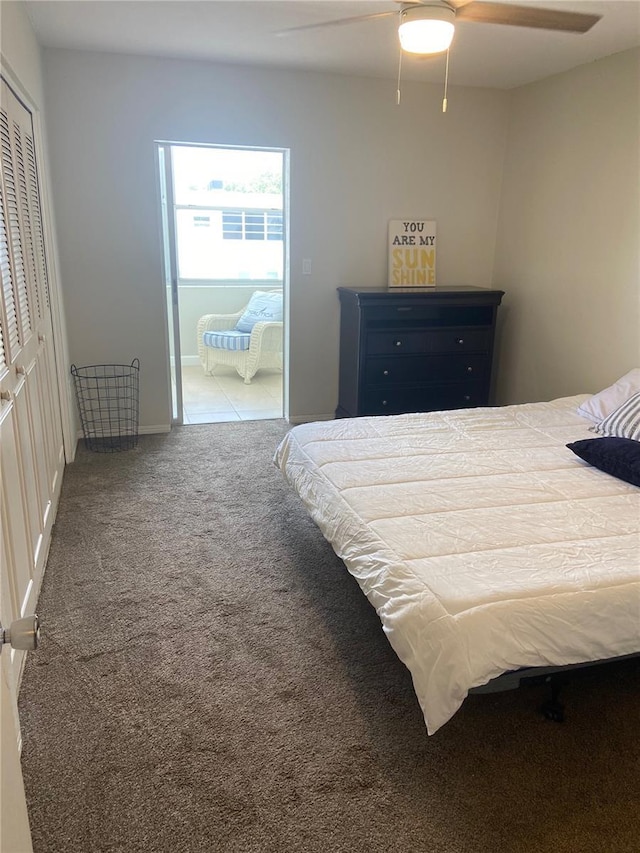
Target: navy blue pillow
x,y
619,457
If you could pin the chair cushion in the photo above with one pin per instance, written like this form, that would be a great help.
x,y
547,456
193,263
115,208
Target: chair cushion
x,y
262,307
230,339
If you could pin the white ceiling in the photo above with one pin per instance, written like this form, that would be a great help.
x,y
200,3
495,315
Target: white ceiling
x,y
249,32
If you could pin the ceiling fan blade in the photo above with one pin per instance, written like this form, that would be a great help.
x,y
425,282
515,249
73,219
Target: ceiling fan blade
x,y
340,22
525,16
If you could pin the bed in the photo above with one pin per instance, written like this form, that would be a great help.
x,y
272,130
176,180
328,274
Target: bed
x,y
484,544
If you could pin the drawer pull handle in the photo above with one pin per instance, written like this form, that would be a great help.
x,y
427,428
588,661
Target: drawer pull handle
x,y
460,341
405,308
385,372
469,369
398,343
384,402
466,398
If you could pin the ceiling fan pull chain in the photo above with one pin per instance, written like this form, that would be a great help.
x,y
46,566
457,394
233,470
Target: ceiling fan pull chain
x,y
446,83
399,71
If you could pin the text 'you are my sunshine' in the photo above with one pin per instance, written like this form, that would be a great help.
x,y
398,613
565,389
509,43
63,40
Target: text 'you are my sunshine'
x,y
413,255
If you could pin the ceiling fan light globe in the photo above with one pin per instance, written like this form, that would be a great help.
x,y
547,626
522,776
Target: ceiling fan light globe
x,y
425,36
426,29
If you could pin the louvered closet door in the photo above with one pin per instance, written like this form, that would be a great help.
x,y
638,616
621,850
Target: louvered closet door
x,y
31,448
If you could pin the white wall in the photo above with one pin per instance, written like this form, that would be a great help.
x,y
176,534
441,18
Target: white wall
x,y
357,160
567,251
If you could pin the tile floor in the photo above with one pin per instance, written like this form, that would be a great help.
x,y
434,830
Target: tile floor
x,y
225,397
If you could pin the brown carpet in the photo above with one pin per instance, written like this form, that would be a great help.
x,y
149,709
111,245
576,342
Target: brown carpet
x,y
212,679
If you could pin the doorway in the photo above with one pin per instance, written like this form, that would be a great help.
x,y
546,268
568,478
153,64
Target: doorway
x,y
224,217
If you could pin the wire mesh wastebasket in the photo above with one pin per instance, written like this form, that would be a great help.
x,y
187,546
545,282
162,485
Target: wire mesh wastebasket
x,y
107,396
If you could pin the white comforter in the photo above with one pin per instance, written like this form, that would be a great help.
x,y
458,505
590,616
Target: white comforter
x,y
484,544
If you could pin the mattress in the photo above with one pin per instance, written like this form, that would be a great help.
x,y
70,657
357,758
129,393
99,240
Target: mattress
x,y
484,544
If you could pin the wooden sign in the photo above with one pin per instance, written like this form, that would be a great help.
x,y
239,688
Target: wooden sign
x,y
412,253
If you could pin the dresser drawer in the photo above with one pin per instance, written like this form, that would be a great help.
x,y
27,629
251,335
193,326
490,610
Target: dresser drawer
x,y
430,315
431,398
396,342
460,340
399,341
387,371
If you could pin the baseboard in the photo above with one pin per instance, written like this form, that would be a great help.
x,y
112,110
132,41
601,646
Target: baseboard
x,y
190,360
309,419
145,430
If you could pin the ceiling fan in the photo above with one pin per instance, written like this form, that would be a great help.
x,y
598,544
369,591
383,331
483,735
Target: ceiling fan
x,y
427,26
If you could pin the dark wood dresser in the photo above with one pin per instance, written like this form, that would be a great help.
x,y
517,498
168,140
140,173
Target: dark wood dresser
x,y
415,349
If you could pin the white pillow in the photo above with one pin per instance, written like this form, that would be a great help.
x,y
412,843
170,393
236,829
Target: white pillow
x,y
623,422
597,408
265,306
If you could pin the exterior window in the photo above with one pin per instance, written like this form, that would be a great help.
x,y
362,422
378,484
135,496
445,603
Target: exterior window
x,y
274,226
254,226
232,227
251,225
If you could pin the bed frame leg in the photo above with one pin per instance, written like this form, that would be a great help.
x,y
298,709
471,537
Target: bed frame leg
x,y
553,709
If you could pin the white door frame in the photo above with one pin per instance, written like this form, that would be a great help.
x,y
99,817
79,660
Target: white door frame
x,y
170,266
169,240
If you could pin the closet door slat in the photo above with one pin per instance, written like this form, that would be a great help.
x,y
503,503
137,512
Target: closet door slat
x,y
14,237
28,247
36,221
10,317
